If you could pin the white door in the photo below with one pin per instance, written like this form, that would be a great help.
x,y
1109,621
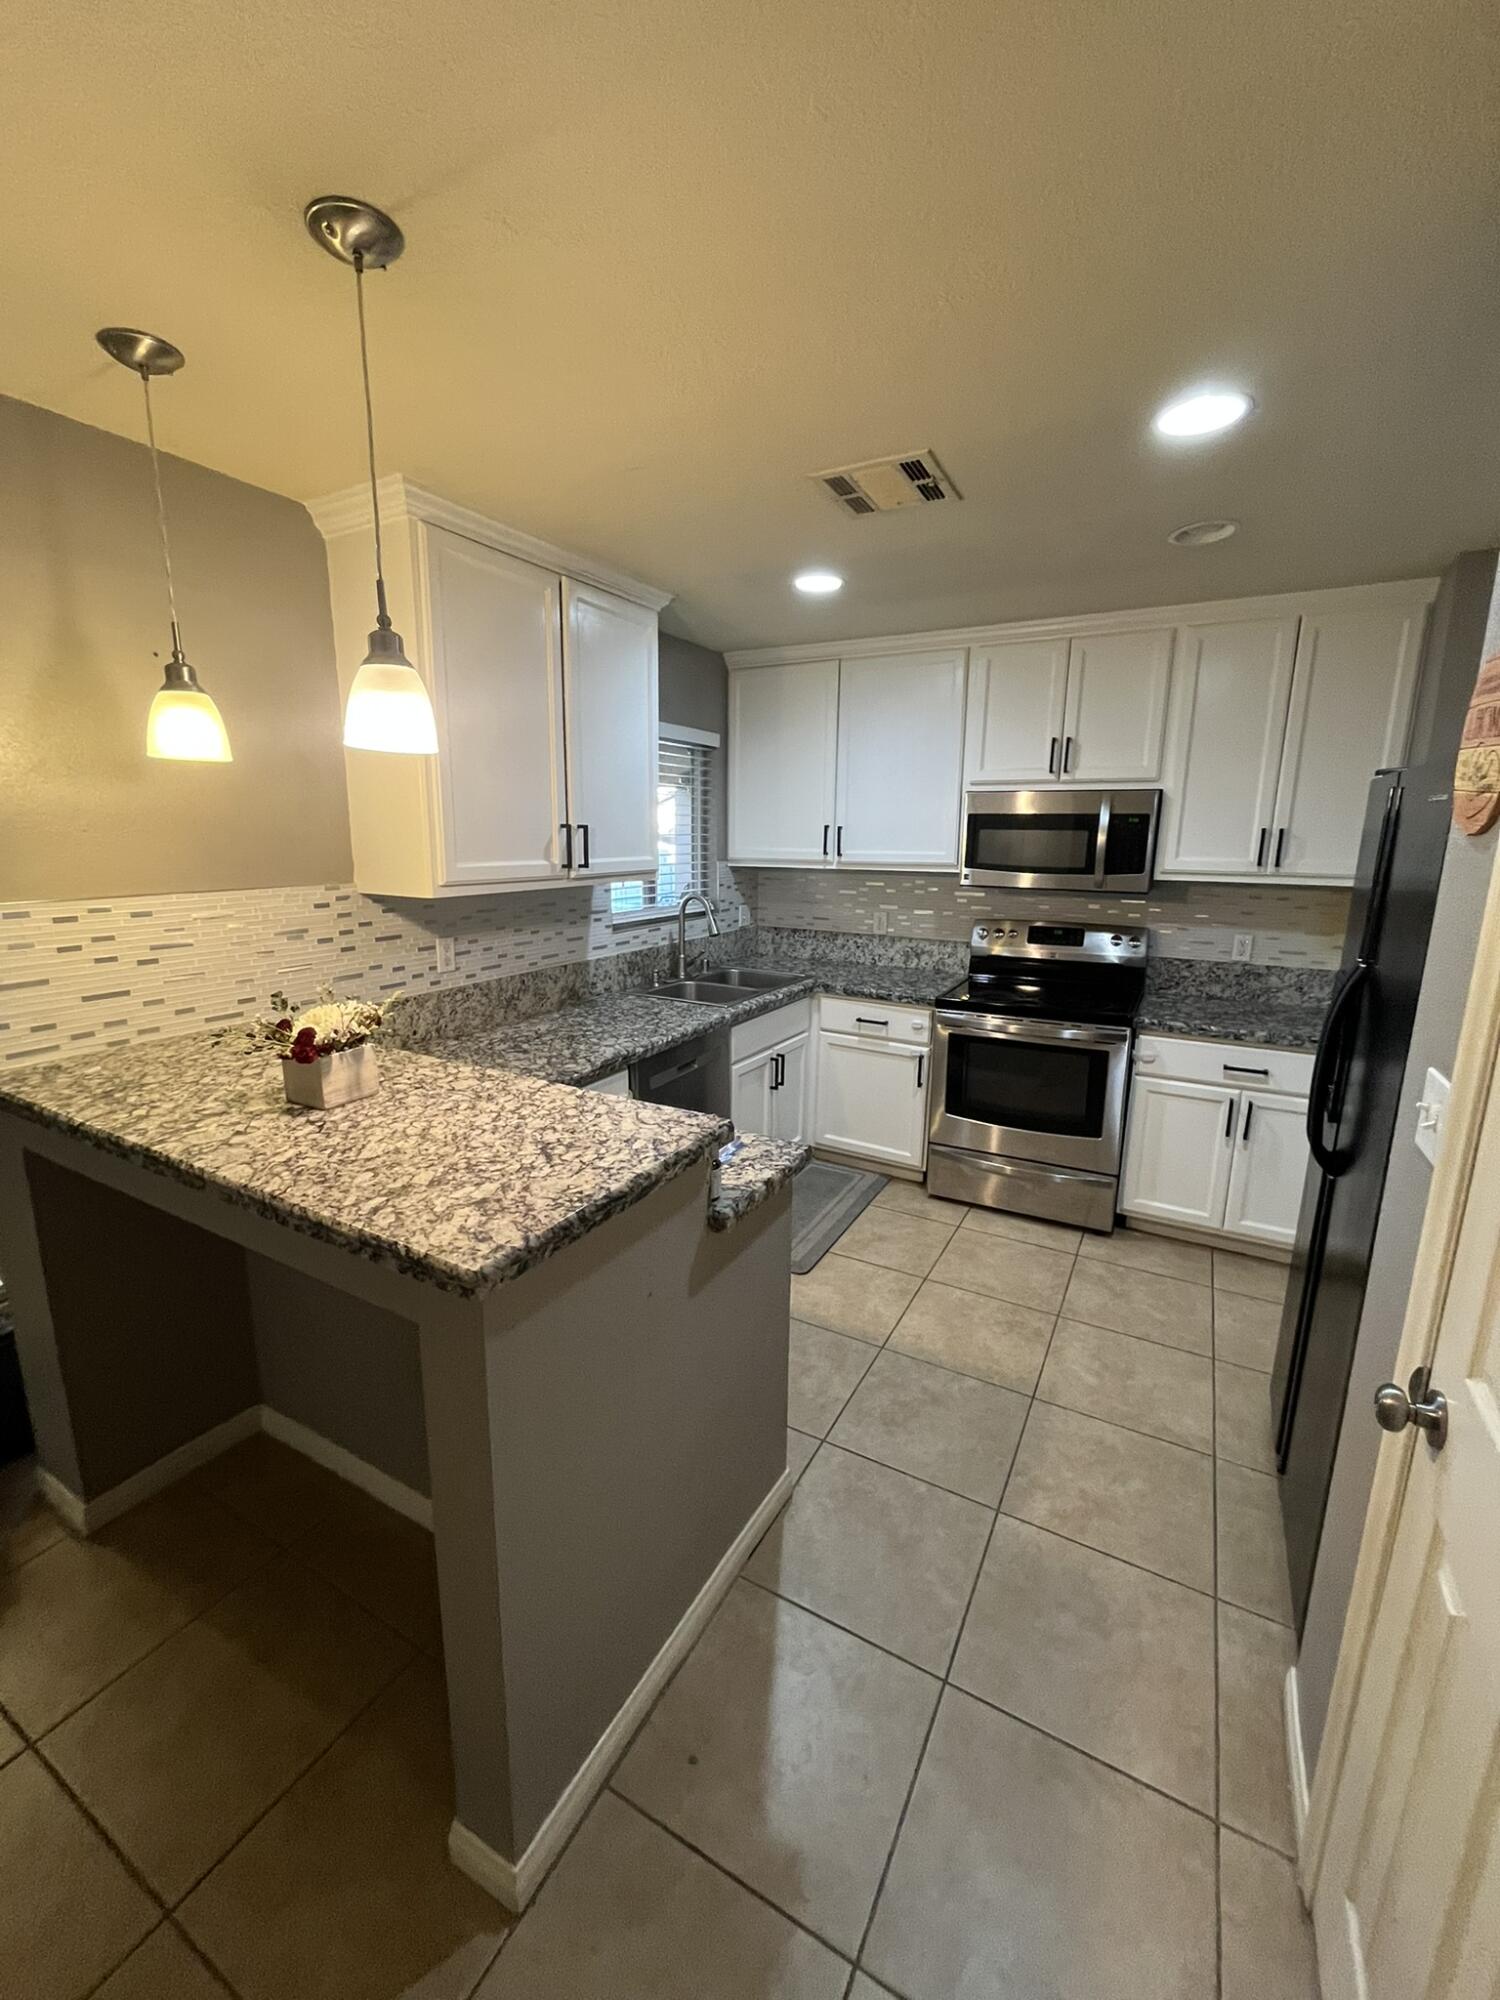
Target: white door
x,y
789,1096
872,1099
612,725
1268,1169
783,748
1117,707
1407,1898
497,676
1177,1143
1351,699
1014,729
750,1098
1230,687
900,771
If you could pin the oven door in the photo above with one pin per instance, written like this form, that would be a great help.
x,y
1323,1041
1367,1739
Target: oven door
x,y
1050,1091
1060,840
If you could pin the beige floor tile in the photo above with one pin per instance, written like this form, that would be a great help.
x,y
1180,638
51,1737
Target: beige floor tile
x,y
876,1551
1139,1250
183,1752
1242,1417
1269,1952
912,1198
979,1261
1026,1868
1246,1330
824,1370
27,1524
269,1485
1098,1652
69,1910
852,1296
1163,1391
1024,1229
344,1891
163,1968
1139,1498
1254,1793
783,1750
1254,1277
990,1338
950,1429
632,1914
1142,1303
12,1743
1252,1543
900,1241
84,1610
799,1449
382,1560
864,1988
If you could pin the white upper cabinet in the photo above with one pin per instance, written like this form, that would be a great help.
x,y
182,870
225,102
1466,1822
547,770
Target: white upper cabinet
x,y
783,751
1017,700
900,753
1117,708
612,730
496,651
1351,701
1230,687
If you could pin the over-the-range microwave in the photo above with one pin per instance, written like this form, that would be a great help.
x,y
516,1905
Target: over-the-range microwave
x,y
1062,839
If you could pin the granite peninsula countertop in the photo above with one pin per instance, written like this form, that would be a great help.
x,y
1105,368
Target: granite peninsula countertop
x,y
752,1174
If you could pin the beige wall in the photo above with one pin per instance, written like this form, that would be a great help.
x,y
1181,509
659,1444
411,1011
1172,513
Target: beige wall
x,y
83,633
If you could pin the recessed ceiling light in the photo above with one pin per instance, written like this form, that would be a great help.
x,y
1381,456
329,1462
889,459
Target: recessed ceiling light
x,y
1202,414
817,582
1198,534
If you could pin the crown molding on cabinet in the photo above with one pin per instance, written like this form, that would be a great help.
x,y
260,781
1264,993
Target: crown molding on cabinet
x,y
400,500
1417,592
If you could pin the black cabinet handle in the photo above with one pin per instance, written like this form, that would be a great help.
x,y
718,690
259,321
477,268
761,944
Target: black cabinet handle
x,y
1067,754
869,1021
921,1070
1280,844
1229,1119
1260,847
1249,1114
1240,1069
827,829
567,834
583,835
778,1071
838,845
1052,759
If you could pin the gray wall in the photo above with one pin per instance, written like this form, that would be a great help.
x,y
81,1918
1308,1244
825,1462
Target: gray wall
x,y
694,694
1445,989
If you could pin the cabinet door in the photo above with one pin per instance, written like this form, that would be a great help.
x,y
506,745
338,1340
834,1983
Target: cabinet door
x,y
1351,699
1177,1143
900,769
497,676
1117,707
783,740
789,1098
1014,727
1230,687
872,1099
751,1100
610,683
1270,1165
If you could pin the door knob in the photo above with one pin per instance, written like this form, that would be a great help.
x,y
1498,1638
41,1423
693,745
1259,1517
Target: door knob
x,y
1418,1403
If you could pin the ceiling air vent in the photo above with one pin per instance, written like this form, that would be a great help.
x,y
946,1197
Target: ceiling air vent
x,y
912,479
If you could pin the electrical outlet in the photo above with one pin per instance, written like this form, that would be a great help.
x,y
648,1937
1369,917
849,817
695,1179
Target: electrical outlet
x,y
447,955
1244,944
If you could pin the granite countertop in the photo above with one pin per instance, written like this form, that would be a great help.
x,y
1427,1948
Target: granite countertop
x,y
752,1173
1294,1027
458,1173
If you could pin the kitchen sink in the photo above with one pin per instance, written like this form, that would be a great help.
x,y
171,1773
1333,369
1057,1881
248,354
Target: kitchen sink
x,y
725,983
710,990
756,978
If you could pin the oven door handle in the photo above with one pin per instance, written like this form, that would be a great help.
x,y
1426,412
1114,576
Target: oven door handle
x,y
999,1028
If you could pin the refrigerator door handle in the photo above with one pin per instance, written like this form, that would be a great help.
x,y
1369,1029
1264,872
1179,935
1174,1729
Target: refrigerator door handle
x,y
1320,1112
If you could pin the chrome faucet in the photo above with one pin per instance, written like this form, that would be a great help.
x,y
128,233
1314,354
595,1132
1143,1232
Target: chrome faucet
x,y
682,916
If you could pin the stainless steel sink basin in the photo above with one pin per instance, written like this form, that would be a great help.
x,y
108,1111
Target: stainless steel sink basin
x,y
710,990
755,977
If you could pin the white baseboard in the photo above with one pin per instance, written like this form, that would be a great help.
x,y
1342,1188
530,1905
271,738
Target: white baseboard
x,y
358,1471
1296,1756
514,1883
84,1517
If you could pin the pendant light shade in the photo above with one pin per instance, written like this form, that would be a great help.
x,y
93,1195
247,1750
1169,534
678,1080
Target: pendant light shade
x,y
184,724
389,707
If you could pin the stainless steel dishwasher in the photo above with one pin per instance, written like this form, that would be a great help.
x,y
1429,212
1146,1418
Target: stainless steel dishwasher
x,y
693,1075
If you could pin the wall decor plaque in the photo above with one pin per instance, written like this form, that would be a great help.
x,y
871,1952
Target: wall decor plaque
x,y
1476,776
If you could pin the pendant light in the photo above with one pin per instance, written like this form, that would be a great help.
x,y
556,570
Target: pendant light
x,y
184,723
388,707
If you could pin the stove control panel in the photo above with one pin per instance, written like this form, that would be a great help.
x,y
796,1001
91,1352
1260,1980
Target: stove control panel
x,y
1020,937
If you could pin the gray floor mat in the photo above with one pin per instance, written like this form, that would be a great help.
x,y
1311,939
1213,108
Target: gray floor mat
x,y
825,1200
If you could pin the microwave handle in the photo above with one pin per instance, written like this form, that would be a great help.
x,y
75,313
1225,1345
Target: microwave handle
x,y
1101,842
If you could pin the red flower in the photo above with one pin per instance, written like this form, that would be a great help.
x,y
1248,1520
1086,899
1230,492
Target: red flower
x,y
284,1024
305,1046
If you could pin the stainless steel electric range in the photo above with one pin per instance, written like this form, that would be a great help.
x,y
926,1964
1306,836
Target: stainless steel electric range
x,y
1030,1067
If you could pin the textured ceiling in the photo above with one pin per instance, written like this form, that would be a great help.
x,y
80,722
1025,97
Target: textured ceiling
x,y
666,257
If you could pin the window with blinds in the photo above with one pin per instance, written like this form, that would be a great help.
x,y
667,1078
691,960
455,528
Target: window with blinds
x,y
684,832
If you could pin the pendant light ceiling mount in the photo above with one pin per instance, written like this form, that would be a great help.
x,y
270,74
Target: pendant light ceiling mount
x,y
356,232
145,353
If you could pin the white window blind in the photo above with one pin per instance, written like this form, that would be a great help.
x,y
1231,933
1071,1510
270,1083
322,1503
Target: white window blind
x,y
684,833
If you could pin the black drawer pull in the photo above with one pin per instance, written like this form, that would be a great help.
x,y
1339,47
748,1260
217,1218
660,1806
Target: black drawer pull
x,y
1240,1069
869,1021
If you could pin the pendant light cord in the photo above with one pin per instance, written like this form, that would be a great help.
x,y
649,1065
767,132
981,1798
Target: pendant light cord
x,y
383,619
161,517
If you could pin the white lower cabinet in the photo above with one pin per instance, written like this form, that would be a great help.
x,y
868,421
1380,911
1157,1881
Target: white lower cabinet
x,y
872,1099
1215,1155
769,1073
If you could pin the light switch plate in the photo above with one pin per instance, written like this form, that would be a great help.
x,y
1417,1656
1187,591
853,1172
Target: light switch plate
x,y
1244,944
447,958
1432,1110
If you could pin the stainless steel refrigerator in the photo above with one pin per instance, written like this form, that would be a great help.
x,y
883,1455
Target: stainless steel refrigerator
x,y
1355,1101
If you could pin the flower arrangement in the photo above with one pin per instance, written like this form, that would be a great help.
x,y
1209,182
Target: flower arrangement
x,y
332,1027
